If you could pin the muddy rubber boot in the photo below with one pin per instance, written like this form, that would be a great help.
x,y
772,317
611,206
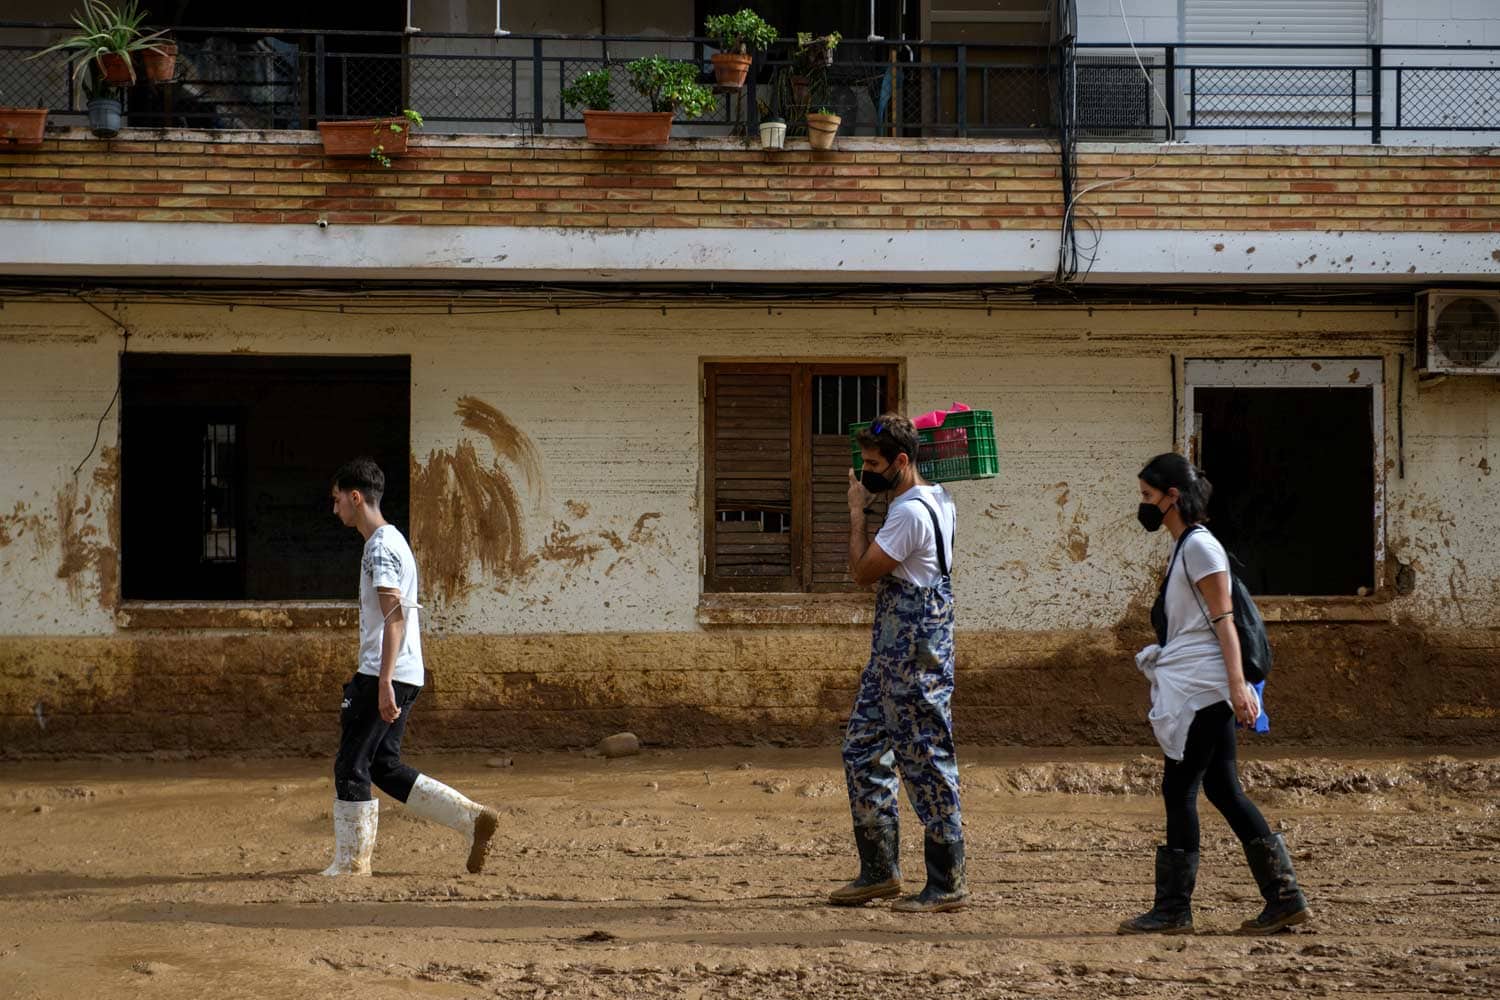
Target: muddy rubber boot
x,y
435,801
946,889
879,867
1176,877
354,826
1271,864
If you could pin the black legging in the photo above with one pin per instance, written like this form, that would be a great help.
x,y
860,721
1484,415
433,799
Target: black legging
x,y
1208,760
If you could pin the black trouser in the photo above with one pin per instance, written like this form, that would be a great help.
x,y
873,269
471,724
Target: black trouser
x,y
1208,760
370,747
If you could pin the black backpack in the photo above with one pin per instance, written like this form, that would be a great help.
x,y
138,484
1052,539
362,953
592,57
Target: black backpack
x,y
1255,647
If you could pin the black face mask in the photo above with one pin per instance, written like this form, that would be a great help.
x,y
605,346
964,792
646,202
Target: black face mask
x,y
877,482
1151,516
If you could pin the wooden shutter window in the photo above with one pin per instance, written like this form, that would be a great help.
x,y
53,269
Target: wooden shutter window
x,y
751,418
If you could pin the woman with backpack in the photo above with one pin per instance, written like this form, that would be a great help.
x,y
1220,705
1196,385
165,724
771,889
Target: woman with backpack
x,y
1198,693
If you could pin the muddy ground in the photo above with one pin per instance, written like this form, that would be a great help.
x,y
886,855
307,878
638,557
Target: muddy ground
x,y
700,874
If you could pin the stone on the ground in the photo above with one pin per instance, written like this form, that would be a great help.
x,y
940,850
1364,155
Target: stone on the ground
x,y
620,745
499,762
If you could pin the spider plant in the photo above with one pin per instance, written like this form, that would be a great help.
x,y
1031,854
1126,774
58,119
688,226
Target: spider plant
x,y
104,29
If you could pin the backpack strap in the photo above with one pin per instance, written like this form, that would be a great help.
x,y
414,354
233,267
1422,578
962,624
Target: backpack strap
x,y
942,546
1197,597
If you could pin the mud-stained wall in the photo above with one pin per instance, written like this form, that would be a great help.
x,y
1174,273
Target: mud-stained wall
x,y
556,482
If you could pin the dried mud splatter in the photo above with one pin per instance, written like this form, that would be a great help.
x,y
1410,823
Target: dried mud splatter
x,y
71,533
465,511
508,440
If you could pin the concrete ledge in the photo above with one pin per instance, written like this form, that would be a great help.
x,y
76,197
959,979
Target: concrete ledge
x,y
1325,609
237,614
786,609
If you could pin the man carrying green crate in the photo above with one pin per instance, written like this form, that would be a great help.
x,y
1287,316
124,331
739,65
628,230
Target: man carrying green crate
x,y
902,718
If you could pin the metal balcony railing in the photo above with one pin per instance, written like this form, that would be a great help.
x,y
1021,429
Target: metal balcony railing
x,y
1228,87
265,79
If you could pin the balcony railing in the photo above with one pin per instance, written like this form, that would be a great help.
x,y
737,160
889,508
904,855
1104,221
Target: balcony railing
x,y
259,79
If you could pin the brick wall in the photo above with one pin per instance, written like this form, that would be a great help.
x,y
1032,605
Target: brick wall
x,y
869,184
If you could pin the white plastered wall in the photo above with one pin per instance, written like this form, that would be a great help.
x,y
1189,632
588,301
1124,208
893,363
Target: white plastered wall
x,y
611,399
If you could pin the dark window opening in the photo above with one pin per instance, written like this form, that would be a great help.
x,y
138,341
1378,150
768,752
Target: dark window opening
x,y
1293,472
778,461
226,464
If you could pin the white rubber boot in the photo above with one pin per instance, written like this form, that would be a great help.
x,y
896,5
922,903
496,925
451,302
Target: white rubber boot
x,y
436,801
354,826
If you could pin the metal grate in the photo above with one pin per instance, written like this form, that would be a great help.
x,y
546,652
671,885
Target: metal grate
x,y
1114,98
34,83
220,459
1448,98
470,89
1468,333
1239,96
841,400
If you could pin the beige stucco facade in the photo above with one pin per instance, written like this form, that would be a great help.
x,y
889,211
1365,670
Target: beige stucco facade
x,y
588,614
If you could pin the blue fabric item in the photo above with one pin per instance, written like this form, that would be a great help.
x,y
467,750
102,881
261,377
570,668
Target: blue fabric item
x,y
902,722
1262,724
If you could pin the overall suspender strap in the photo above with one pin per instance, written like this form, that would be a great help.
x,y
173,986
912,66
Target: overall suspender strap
x,y
942,547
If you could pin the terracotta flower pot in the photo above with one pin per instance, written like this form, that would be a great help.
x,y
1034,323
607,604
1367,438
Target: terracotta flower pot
x,y
801,91
628,128
730,68
357,138
161,66
821,129
22,127
116,69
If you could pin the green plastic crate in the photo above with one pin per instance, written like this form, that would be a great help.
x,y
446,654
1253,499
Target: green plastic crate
x,y
963,448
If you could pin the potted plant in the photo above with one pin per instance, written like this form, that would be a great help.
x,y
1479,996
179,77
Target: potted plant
x,y
21,127
376,138
737,35
669,87
822,126
810,61
105,109
161,61
773,133
108,38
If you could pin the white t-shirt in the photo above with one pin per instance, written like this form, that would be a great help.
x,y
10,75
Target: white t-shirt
x,y
388,563
1201,556
907,534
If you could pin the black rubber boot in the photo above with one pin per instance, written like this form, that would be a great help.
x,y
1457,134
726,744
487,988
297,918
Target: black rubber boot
x,y
879,867
1271,864
1176,877
945,889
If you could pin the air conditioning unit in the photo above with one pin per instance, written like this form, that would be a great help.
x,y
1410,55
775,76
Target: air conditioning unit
x,y
1458,332
1114,100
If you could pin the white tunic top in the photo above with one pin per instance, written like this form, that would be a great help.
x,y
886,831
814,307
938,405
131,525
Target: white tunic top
x,y
1188,673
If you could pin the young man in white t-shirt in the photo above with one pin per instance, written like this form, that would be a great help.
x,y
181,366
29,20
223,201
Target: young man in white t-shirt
x,y
378,699
902,713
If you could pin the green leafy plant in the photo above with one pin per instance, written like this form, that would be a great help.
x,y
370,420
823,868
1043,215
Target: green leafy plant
x,y
816,50
671,86
103,30
827,111
412,120
590,91
742,32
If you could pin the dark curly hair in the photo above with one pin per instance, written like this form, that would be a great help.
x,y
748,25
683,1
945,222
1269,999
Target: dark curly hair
x,y
891,434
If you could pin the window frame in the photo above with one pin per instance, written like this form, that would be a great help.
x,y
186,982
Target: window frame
x,y
801,373
1341,372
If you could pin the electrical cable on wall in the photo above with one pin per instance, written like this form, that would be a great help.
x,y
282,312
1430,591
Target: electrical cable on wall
x,y
125,346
